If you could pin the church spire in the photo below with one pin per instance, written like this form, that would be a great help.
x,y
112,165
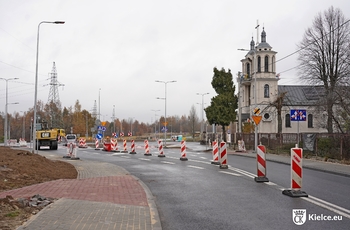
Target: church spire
x,y
252,44
263,35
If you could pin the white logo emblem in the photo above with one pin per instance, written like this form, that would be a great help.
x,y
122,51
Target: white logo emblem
x,y
299,216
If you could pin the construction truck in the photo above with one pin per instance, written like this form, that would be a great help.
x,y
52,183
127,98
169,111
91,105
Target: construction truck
x,y
46,136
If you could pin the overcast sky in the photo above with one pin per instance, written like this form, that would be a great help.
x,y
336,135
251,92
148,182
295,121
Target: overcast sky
x,y
122,47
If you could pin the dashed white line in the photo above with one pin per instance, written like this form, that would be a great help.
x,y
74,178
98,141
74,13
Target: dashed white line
x,y
125,157
195,167
144,159
230,173
168,162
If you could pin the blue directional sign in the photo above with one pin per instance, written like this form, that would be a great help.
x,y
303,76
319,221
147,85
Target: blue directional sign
x,y
99,136
163,129
298,115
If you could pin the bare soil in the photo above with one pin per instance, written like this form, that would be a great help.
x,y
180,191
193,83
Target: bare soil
x,y
20,168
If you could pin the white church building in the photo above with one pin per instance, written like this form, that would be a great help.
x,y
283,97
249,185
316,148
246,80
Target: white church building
x,y
258,89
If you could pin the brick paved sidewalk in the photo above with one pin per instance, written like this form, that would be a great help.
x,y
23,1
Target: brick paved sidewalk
x,y
104,196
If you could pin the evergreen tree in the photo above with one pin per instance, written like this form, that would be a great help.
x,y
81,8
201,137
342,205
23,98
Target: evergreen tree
x,y
222,109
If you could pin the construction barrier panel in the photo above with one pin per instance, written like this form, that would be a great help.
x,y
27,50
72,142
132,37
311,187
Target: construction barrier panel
x,y
22,142
82,143
147,153
115,147
223,155
160,148
183,151
71,151
125,148
261,164
97,145
215,153
132,147
296,156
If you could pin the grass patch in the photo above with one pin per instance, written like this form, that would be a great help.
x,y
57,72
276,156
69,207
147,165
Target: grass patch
x,y
12,214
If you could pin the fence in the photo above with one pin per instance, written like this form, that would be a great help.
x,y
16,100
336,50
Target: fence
x,y
333,146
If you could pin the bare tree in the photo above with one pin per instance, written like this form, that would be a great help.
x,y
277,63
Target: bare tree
x,y
193,119
324,57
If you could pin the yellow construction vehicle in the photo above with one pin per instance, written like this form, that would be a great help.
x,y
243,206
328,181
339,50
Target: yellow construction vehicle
x,y
46,136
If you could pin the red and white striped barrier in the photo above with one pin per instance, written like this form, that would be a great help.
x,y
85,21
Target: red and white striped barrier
x,y
261,164
223,155
132,147
215,153
125,150
97,145
296,156
147,153
183,151
160,148
116,148
71,151
82,143
22,142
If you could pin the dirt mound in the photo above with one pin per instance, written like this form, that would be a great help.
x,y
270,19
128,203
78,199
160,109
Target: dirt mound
x,y
20,168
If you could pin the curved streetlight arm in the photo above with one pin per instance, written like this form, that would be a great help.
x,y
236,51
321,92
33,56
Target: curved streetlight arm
x,y
36,79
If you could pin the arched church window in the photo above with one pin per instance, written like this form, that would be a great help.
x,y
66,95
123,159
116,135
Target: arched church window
x,y
310,121
248,69
273,64
266,67
259,64
266,91
287,121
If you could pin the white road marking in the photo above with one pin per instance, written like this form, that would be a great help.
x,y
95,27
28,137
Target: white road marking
x,y
327,205
125,157
204,158
144,159
195,167
168,162
230,173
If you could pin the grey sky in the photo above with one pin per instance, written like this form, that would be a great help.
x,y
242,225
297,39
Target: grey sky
x,y
122,47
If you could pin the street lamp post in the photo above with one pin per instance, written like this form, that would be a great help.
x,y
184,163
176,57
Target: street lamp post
x,y
36,80
165,124
202,118
6,104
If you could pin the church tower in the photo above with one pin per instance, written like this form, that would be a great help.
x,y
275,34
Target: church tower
x,y
258,84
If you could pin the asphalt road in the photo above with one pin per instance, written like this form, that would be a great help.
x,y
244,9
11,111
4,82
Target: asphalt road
x,y
196,194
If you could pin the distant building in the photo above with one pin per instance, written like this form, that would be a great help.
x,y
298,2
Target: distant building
x,y
265,83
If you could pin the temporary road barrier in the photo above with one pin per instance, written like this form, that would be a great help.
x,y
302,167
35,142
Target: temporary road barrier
x,y
147,153
160,148
115,142
97,145
296,156
132,147
82,143
72,151
261,164
223,155
183,151
124,147
215,153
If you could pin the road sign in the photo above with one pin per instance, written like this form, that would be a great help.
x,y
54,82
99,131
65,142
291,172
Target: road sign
x,y
298,115
165,123
257,119
101,128
103,123
256,111
163,129
99,136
